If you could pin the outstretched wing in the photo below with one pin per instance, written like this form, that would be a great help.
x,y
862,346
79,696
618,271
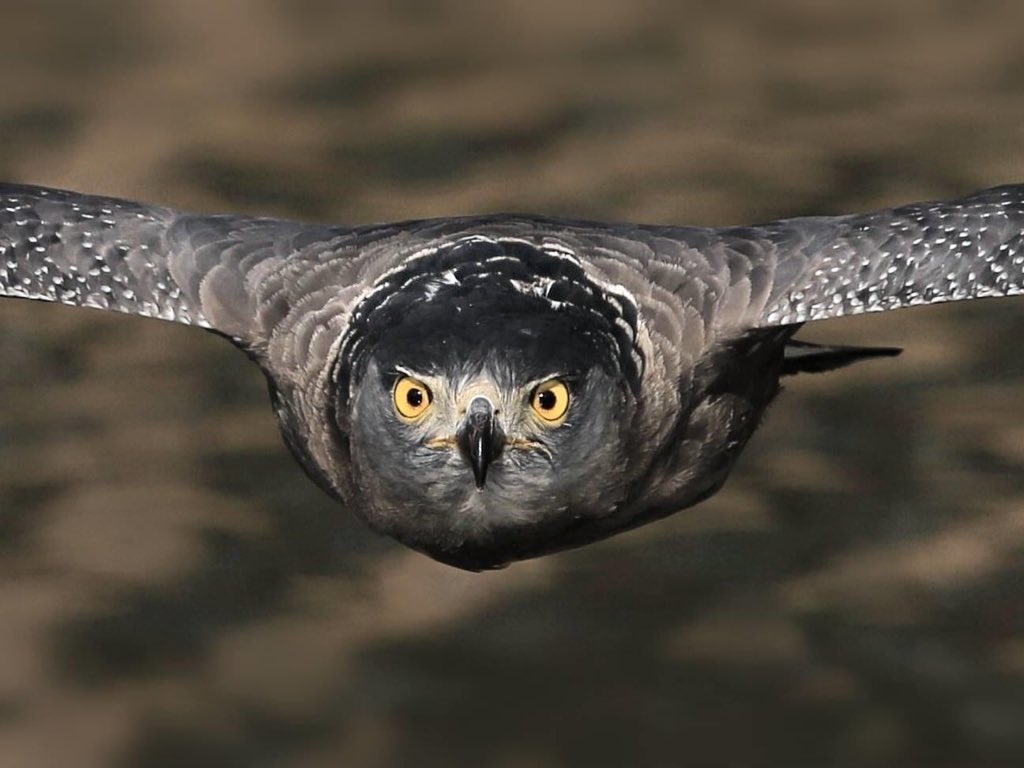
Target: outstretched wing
x,y
925,253
208,271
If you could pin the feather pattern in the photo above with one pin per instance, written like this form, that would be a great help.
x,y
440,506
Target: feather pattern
x,y
286,291
700,319
925,253
243,276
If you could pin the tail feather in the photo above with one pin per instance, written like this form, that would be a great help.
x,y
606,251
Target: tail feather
x,y
805,357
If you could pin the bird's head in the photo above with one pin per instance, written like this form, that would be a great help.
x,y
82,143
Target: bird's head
x,y
489,417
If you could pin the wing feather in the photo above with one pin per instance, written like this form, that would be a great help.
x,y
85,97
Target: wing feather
x,y
924,253
257,279
208,271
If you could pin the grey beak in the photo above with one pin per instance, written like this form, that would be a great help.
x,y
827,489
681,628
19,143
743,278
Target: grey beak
x,y
481,439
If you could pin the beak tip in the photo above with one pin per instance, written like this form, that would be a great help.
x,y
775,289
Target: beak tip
x,y
481,440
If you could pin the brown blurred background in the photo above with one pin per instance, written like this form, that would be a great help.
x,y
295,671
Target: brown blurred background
x,y
173,592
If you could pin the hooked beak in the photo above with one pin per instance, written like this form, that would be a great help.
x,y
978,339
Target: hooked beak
x,y
481,439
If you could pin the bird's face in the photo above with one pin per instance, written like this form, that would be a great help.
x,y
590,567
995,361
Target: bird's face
x,y
491,437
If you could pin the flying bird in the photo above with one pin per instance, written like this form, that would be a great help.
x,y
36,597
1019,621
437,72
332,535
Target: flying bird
x,y
495,388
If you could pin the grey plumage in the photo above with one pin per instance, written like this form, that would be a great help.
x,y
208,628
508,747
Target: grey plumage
x,y
671,340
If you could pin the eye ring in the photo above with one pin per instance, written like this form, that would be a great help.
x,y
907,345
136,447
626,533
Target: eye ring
x,y
412,398
550,402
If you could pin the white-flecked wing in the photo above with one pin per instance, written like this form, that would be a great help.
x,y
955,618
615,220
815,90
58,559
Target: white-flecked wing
x,y
146,260
924,253
253,279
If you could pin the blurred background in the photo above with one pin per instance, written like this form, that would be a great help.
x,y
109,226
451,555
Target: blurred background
x,y
173,591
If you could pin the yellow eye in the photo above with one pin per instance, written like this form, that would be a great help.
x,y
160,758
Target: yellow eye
x,y
412,398
550,401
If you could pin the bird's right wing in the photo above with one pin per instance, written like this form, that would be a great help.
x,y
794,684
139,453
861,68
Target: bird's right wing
x,y
925,253
223,273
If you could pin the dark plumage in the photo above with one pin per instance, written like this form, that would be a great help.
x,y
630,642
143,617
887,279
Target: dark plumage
x,y
488,389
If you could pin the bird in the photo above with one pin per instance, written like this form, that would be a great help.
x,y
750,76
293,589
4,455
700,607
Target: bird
x,y
493,388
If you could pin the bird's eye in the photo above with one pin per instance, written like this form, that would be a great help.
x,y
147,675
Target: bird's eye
x,y
412,397
550,401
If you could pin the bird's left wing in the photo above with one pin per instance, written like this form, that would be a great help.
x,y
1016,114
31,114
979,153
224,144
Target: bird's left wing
x,y
217,272
926,253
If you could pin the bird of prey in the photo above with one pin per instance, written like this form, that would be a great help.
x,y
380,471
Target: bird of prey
x,y
495,388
